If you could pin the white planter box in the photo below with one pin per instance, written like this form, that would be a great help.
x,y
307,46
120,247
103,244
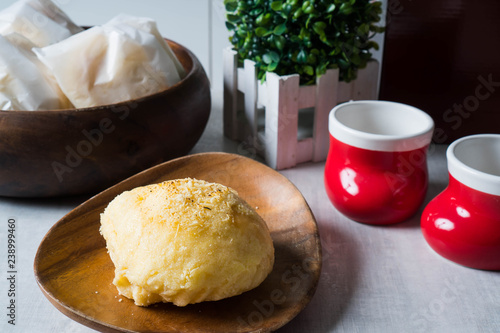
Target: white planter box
x,y
265,116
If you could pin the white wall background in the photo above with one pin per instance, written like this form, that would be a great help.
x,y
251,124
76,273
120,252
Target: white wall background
x,y
196,24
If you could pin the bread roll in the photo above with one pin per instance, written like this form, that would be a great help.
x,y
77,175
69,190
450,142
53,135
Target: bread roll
x,y
185,241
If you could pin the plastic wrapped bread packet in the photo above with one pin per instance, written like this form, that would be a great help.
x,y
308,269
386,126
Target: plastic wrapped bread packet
x,y
148,25
49,63
121,60
25,83
40,21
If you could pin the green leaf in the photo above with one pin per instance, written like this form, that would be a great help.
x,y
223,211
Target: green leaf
x,y
345,9
344,55
328,42
302,57
242,6
373,45
272,66
276,6
233,18
279,42
230,26
261,32
356,60
319,27
311,59
321,69
309,18
280,29
271,57
309,70
264,19
377,29
274,56
309,9
241,32
343,63
231,5
248,42
363,29
297,13
261,75
287,9
304,33
256,11
331,8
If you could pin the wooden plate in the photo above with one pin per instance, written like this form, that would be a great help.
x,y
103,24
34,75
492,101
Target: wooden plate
x,y
75,272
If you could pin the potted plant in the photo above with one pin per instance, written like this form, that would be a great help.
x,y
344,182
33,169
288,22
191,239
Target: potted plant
x,y
304,37
307,39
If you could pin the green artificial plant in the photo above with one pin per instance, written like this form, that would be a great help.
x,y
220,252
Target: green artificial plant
x,y
304,37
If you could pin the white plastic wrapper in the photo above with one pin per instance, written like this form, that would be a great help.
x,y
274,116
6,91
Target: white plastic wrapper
x,y
115,62
40,21
25,83
129,23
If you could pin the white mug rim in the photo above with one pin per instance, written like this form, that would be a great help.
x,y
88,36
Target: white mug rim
x,y
381,142
470,176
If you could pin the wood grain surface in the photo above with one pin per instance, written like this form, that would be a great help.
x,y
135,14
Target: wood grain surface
x,y
75,272
80,151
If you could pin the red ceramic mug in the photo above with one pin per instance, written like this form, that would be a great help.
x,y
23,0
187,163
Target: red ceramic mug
x,y
376,169
462,223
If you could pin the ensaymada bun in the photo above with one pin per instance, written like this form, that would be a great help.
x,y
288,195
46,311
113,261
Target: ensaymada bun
x,y
185,241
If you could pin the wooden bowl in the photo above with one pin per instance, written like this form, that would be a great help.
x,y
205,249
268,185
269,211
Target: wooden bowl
x,y
77,151
75,273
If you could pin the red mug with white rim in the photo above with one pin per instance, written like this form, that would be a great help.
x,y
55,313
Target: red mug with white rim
x,y
376,169
462,223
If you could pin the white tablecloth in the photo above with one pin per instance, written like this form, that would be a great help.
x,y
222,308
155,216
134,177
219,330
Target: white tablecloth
x,y
374,279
